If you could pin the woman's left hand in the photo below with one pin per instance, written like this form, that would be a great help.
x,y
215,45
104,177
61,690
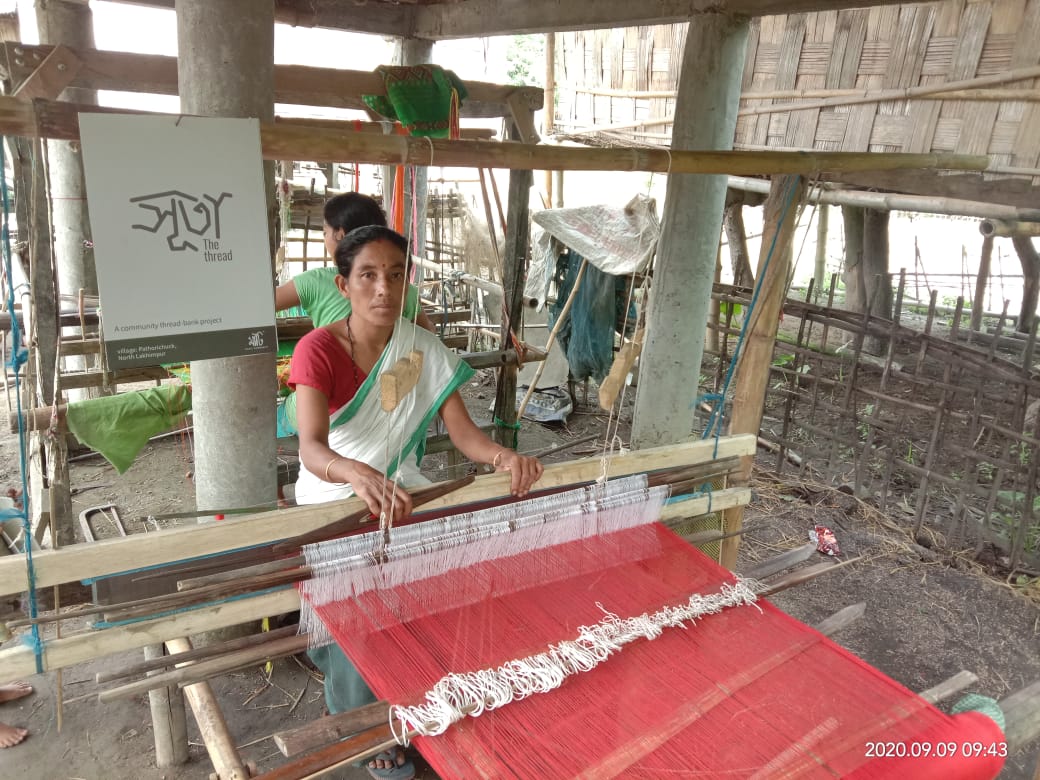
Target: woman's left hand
x,y
524,471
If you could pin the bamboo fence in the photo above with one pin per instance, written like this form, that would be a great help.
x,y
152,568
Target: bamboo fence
x,y
941,426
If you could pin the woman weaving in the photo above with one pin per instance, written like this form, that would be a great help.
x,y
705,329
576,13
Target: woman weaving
x,y
349,445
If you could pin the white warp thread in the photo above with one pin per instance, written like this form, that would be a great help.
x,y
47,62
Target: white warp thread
x,y
455,696
346,568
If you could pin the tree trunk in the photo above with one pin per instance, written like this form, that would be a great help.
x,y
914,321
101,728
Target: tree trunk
x,y
820,265
876,283
855,292
978,305
736,238
1027,255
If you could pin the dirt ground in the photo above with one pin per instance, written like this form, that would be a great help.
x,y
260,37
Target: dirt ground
x,y
926,617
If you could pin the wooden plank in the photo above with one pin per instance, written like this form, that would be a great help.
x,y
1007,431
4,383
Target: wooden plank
x,y
293,84
18,662
48,80
109,556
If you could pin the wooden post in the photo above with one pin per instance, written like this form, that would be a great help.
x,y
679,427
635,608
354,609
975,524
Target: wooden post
x,y
221,748
514,261
736,239
820,266
1030,260
978,303
70,24
168,722
752,375
549,111
415,51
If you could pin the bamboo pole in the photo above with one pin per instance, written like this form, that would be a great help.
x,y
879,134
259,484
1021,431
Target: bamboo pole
x,y
208,651
888,202
1009,228
186,675
908,93
752,373
289,141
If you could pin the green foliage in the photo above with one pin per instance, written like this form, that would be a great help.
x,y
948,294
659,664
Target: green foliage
x,y
525,58
730,309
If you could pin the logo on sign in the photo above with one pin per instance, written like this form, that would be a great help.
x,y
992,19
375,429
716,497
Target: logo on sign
x,y
182,217
255,340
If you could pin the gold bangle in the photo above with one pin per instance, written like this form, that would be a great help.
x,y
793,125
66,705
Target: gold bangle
x,y
329,466
494,463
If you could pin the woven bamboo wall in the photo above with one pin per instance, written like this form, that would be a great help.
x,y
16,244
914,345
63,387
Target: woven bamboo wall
x,y
872,49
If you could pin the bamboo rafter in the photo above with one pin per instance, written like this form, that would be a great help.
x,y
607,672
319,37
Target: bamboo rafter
x,y
287,141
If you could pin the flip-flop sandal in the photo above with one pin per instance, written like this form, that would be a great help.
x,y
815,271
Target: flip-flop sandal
x,y
405,771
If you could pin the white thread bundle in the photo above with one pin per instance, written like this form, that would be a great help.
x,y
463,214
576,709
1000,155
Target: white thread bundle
x,y
348,568
455,696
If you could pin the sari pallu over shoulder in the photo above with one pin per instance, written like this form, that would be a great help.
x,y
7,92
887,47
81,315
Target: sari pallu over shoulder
x,y
390,442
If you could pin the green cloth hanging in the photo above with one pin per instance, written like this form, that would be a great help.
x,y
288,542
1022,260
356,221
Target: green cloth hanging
x,y
423,98
118,426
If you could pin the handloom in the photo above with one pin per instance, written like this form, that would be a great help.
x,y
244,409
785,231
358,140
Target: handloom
x,y
459,616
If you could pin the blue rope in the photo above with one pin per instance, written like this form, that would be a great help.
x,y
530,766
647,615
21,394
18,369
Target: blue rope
x,y
19,356
715,419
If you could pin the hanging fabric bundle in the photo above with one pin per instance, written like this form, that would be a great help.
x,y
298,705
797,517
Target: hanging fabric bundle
x,y
425,99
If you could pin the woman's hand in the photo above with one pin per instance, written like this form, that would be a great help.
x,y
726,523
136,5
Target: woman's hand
x,y
524,470
380,493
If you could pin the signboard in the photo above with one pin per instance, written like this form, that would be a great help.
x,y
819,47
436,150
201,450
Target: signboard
x,y
179,221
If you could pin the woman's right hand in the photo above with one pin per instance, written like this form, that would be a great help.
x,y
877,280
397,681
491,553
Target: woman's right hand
x,y
380,493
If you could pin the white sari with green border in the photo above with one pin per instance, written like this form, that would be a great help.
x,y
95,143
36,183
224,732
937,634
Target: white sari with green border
x,y
390,442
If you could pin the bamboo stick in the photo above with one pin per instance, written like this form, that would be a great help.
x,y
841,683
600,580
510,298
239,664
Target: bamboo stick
x,y
187,674
886,95
560,319
894,202
206,651
286,141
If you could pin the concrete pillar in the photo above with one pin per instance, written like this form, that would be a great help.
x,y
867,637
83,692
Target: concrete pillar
x,y
225,68
72,24
415,51
705,118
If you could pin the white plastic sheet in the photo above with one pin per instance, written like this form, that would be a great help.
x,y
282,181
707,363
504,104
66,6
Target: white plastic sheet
x,y
618,241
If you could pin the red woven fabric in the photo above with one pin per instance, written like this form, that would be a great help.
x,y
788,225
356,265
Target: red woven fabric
x,y
746,693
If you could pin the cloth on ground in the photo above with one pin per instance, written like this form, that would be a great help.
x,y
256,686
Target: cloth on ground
x,y
118,426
